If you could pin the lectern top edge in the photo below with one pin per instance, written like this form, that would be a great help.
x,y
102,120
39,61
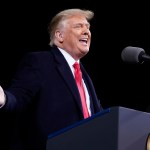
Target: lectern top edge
x,y
79,123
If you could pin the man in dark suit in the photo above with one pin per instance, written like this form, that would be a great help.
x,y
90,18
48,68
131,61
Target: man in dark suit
x,y
44,93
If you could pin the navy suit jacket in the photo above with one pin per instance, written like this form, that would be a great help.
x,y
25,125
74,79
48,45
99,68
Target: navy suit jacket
x,y
45,98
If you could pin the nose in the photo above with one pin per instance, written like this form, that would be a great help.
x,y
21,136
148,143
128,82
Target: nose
x,y
86,31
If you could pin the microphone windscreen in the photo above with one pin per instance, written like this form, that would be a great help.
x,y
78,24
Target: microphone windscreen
x,y
132,54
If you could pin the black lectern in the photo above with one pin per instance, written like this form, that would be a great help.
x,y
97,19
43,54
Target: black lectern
x,y
115,128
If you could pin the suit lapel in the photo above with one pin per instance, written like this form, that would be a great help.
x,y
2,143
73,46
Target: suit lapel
x,y
67,75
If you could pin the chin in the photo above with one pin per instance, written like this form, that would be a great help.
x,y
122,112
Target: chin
x,y
86,49
85,52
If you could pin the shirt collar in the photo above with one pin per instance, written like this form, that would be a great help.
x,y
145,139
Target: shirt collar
x,y
68,57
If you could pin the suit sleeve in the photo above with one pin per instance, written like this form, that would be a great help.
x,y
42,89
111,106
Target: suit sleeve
x,y
25,84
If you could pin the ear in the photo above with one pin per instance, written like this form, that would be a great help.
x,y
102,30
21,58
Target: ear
x,y
59,36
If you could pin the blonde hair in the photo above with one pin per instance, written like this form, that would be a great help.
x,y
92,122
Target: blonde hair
x,y
63,15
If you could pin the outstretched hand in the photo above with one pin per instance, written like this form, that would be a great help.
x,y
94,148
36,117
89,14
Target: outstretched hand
x,y
2,97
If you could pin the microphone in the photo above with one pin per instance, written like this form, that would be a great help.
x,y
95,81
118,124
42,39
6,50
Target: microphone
x,y
132,54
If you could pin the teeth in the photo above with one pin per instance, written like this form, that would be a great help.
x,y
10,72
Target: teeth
x,y
84,39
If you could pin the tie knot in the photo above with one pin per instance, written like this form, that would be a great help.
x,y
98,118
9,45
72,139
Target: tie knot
x,y
77,72
76,65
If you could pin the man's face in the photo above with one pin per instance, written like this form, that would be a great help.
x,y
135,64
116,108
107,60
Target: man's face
x,y
76,36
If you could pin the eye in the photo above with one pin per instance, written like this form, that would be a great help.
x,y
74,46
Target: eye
x,y
78,26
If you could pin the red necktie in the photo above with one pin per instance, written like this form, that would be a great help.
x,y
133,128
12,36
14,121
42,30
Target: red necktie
x,y
78,78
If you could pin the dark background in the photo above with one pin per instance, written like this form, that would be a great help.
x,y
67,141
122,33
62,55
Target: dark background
x,y
116,25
